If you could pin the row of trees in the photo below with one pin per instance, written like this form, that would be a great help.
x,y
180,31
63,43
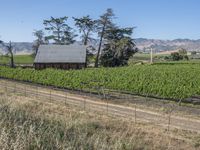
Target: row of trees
x,y
115,44
181,54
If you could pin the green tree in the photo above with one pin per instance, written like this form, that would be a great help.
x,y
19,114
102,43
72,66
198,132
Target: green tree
x,y
182,51
9,48
61,32
193,53
90,56
176,56
119,47
103,24
40,39
86,26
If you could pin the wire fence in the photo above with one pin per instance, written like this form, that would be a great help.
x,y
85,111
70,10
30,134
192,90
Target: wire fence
x,y
103,104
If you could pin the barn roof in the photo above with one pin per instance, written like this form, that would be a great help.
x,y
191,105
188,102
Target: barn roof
x,y
74,53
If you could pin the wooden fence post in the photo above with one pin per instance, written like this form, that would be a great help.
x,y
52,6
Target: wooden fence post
x,y
84,103
65,98
169,121
6,87
50,95
135,113
37,92
106,98
15,88
107,105
25,90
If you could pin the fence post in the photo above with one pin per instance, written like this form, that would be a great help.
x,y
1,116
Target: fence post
x,y
90,94
15,88
171,109
169,121
135,113
6,88
25,90
179,102
50,95
105,97
107,105
84,103
65,98
37,92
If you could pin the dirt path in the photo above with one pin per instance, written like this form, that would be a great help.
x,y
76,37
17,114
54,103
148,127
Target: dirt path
x,y
95,104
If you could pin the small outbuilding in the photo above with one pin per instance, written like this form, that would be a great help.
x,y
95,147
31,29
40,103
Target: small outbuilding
x,y
61,57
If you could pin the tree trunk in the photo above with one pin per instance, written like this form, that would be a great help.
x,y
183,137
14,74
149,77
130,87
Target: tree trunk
x,y
99,48
58,34
86,43
12,61
10,50
86,39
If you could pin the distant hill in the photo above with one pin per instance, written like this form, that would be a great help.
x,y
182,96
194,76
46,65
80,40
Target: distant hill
x,y
167,45
142,43
20,48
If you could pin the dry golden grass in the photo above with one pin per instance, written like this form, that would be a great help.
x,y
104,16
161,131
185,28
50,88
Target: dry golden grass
x,y
27,123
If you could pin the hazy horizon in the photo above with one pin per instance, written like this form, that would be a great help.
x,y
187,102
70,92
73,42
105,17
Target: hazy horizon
x,y
135,39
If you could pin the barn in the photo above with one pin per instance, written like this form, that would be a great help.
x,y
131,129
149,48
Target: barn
x,y
61,57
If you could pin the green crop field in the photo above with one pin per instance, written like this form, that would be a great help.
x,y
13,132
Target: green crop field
x,y
18,59
175,81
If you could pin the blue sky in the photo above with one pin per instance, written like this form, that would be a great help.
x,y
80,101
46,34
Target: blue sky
x,y
158,19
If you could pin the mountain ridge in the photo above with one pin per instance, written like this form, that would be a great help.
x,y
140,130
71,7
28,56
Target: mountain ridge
x,y
143,44
167,45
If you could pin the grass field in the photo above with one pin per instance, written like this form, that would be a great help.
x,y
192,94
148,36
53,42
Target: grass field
x,y
18,59
27,123
160,57
146,57
28,59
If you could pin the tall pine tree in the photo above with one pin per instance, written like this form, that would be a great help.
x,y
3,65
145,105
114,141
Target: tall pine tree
x,y
103,24
61,32
119,47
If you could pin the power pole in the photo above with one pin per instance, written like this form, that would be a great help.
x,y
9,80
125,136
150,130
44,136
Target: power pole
x,y
151,56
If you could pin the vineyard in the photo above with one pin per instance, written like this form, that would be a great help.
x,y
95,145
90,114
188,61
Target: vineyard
x,y
164,81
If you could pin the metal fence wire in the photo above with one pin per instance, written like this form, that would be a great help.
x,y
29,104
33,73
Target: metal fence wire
x,y
104,104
